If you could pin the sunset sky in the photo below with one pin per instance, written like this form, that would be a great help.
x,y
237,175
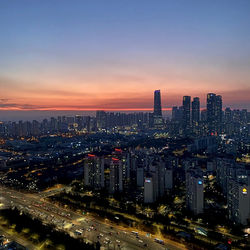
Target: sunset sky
x,y
83,55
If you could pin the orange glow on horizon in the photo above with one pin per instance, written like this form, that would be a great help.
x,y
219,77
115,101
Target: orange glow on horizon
x,y
83,109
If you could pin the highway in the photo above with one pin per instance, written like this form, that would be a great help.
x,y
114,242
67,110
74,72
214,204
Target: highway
x,y
20,240
109,235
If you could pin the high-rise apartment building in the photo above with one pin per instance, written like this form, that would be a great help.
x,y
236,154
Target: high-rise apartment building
x,y
195,110
196,115
239,202
116,176
149,190
94,172
228,115
139,176
186,114
214,113
194,191
101,119
177,114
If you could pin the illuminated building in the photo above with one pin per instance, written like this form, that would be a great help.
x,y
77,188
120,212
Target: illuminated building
x,y
214,113
177,114
239,202
94,172
186,114
228,115
149,192
157,103
101,119
116,174
194,191
158,121
195,111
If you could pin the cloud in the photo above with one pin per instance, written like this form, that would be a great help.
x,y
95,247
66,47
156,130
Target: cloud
x,y
6,105
22,96
3,100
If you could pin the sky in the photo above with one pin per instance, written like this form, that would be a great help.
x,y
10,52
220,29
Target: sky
x,y
112,55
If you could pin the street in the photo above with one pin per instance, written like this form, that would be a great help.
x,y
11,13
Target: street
x,y
111,236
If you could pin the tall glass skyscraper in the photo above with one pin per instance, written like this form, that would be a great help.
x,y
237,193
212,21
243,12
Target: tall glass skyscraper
x,y
157,115
157,103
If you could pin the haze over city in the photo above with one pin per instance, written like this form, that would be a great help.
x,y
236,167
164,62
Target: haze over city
x,y
111,55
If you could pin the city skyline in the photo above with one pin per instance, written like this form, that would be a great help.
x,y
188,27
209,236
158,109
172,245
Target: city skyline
x,y
100,55
191,110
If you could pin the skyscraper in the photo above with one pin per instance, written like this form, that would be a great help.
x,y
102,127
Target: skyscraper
x,y
149,192
195,110
115,178
214,112
228,115
101,119
157,103
194,191
94,172
157,115
239,201
186,114
177,114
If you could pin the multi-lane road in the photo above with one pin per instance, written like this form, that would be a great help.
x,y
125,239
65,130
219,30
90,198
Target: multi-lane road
x,y
111,236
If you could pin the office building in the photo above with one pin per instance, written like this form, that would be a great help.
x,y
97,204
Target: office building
x,y
157,115
157,103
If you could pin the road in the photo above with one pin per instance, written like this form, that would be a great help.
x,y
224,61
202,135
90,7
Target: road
x,y
111,236
13,237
